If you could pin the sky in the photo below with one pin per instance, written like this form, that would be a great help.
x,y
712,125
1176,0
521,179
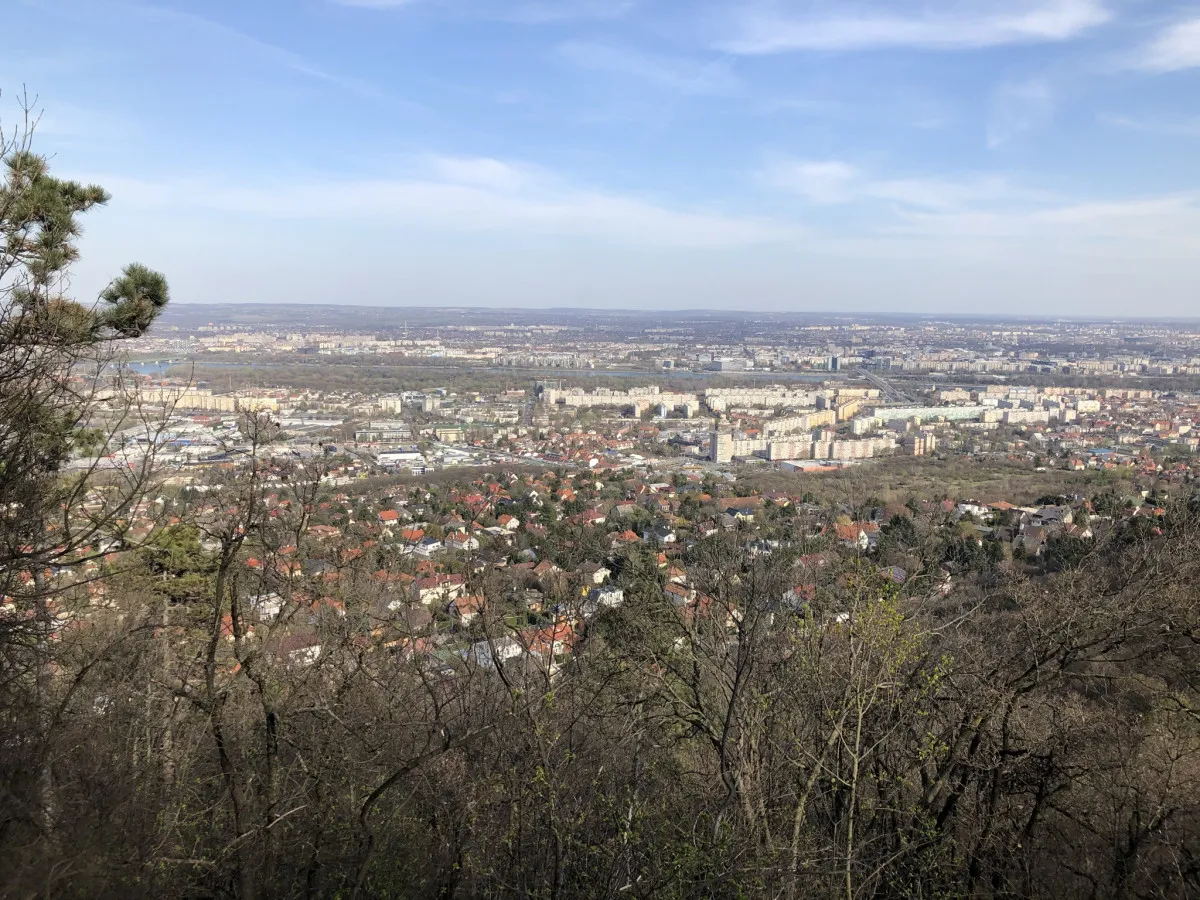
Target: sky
x,y
941,156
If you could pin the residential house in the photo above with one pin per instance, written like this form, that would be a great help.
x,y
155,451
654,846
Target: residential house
x,y
298,649
467,607
461,540
439,588
591,517
624,539
550,643
860,535
428,547
660,533
489,654
605,597
679,594
594,573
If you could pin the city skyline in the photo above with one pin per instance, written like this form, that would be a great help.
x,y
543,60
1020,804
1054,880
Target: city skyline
x,y
1026,158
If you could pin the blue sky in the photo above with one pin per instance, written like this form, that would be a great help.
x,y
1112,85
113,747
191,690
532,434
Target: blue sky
x,y
1025,156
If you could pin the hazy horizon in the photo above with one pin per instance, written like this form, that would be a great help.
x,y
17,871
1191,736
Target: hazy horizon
x,y
1027,157
184,310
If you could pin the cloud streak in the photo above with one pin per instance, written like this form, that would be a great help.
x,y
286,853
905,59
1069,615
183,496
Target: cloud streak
x,y
668,73
819,181
464,194
194,26
541,12
839,182
1175,49
940,26
1174,127
529,12
985,207
1019,108
375,4
1171,220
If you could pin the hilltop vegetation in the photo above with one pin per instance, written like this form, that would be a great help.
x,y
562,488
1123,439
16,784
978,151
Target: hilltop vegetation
x,y
897,479
270,703
247,681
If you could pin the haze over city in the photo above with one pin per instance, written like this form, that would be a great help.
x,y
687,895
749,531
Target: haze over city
x,y
1026,157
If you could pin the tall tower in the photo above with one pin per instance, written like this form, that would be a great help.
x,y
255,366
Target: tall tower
x,y
721,446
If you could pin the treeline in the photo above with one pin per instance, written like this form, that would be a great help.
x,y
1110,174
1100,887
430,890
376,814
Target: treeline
x,y
1135,382
1000,736
897,478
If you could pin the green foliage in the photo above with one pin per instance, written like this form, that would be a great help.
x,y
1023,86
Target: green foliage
x,y
175,560
89,441
1109,503
38,228
1065,551
39,220
972,553
899,532
44,334
134,300
54,358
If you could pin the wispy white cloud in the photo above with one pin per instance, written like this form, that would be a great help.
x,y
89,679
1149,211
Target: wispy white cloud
x,y
902,23
670,73
986,207
1184,127
482,172
1018,108
376,4
1122,213
462,194
1171,219
839,182
537,12
195,27
949,194
820,181
1175,48
532,12
809,106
